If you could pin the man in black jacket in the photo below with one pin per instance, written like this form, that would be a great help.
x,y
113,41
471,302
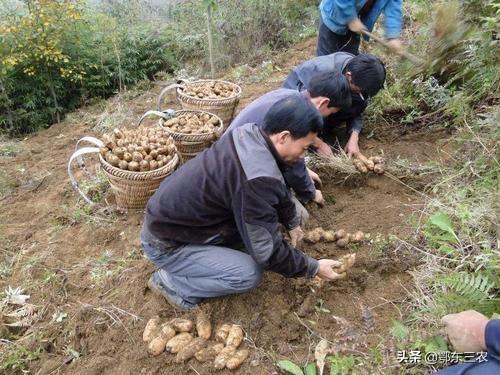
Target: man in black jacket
x,y
233,194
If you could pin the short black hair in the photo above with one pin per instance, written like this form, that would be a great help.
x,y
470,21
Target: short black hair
x,y
294,113
367,72
333,85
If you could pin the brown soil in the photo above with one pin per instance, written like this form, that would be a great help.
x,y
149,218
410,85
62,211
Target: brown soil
x,y
61,262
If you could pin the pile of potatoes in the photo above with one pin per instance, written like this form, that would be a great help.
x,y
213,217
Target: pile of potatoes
x,y
193,123
211,90
175,337
364,164
138,150
340,237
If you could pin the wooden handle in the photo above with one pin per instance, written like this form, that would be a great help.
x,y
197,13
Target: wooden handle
x,y
414,59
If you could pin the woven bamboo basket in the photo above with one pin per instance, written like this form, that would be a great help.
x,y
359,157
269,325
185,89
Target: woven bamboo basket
x,y
188,145
132,190
225,108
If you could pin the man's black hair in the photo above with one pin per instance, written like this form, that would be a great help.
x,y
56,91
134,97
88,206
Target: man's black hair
x,y
367,72
295,114
334,86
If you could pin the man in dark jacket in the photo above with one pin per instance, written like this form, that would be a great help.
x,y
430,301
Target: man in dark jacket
x,y
232,193
366,74
329,93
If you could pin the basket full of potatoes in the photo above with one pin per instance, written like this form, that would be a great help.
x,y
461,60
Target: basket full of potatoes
x,y
135,161
214,96
192,130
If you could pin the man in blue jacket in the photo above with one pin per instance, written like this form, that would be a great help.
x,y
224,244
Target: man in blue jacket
x,y
341,22
329,93
232,196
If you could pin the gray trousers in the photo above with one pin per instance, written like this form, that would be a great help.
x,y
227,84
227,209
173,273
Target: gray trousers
x,y
197,271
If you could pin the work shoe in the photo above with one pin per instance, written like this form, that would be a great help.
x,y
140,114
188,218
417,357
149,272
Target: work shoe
x,y
157,287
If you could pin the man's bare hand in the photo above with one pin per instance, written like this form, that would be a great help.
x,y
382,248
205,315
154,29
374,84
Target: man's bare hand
x,y
356,26
323,148
352,145
466,330
395,45
296,235
318,198
314,176
326,271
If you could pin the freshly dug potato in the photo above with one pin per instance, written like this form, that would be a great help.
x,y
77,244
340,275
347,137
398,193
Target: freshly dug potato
x,y
360,166
367,162
237,359
357,236
137,156
143,166
176,343
158,344
152,329
379,169
376,159
118,133
133,166
123,165
329,236
181,325
222,332
342,242
209,353
340,234
222,358
347,263
314,235
190,349
203,326
235,336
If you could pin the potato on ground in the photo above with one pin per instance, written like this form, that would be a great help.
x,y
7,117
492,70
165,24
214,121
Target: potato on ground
x,y
235,336
237,359
222,332
158,344
203,326
222,358
181,325
152,329
209,353
190,349
347,263
177,343
357,236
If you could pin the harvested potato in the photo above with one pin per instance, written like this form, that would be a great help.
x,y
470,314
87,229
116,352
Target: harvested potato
x,y
222,332
176,343
123,165
103,151
357,236
340,234
181,325
209,353
360,166
329,236
367,162
235,336
144,166
190,349
118,133
347,263
152,329
237,359
203,326
342,242
379,168
376,159
133,166
158,344
222,358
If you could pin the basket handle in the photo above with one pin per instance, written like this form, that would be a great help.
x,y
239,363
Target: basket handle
x,y
76,156
164,91
94,141
166,115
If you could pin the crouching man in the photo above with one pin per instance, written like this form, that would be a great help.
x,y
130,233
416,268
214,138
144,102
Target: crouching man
x,y
213,226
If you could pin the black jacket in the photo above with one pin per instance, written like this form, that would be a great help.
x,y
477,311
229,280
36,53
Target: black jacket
x,y
232,191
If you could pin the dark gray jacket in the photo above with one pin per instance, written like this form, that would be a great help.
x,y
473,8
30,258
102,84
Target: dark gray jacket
x,y
296,175
302,74
232,191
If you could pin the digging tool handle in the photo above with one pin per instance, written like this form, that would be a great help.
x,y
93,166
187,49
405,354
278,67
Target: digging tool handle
x,y
414,59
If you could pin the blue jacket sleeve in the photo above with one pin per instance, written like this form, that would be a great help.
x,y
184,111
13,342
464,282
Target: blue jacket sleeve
x,y
492,338
356,123
393,18
298,179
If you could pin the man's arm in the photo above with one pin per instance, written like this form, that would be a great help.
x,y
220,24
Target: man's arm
x,y
298,179
256,215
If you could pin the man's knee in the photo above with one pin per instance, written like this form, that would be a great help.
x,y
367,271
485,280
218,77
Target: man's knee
x,y
250,278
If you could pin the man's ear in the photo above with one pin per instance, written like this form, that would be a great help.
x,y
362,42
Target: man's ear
x,y
324,102
283,136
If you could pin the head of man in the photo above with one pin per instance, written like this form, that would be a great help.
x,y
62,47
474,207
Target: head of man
x,y
292,124
366,74
329,93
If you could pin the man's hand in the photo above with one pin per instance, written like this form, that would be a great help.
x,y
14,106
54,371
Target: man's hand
x,y
395,45
466,330
314,176
352,145
356,26
326,271
296,234
318,198
323,148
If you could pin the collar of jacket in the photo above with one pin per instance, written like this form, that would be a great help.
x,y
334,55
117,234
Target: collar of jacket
x,y
282,165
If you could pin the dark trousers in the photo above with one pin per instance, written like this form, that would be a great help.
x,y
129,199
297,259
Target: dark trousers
x,y
329,42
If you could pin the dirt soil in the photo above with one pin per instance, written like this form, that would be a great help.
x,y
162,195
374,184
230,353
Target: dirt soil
x,y
88,275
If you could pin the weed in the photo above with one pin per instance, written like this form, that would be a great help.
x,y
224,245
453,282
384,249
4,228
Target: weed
x,y
17,358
